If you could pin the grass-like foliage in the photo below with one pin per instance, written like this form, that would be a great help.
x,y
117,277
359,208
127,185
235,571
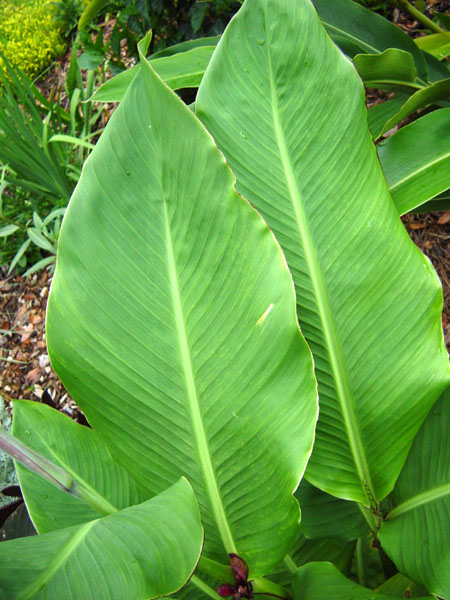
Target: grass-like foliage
x,y
42,148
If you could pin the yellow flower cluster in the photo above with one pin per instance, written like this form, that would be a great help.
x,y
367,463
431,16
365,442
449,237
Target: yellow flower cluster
x,y
30,36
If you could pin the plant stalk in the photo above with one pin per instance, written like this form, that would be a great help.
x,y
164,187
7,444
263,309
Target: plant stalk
x,y
35,462
54,474
412,10
222,573
360,562
204,587
290,563
368,515
262,586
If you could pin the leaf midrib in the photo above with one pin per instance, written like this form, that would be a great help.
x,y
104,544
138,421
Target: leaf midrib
x,y
329,330
62,557
192,396
441,158
420,499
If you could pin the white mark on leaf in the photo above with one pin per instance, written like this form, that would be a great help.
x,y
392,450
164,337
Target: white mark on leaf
x,y
263,317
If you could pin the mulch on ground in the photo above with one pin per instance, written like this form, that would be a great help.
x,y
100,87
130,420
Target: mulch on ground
x,y
25,370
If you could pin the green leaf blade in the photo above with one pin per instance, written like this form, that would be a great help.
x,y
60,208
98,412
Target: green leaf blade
x,y
83,454
436,44
183,311
380,113
392,67
269,97
180,70
416,160
142,552
325,516
434,93
416,532
356,30
316,581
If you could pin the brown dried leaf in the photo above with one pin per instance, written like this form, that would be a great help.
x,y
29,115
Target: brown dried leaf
x,y
26,333
33,375
445,218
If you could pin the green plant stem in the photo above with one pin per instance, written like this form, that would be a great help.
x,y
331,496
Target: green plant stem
x,y
269,588
204,587
54,474
35,462
290,564
368,515
412,10
222,573
360,561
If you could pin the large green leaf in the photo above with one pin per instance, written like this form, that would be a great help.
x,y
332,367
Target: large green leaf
x,y
172,322
400,586
356,30
316,581
418,529
185,46
325,516
113,90
380,113
392,67
436,69
439,202
304,551
416,160
139,553
181,70
436,92
287,110
436,44
83,454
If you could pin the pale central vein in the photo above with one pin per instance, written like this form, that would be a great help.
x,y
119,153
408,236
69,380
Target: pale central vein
x,y
424,167
192,396
320,293
421,499
61,558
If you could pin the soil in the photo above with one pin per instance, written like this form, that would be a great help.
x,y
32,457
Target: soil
x,y
25,370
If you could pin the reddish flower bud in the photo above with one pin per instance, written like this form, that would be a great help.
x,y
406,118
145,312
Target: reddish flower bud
x,y
225,590
239,568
